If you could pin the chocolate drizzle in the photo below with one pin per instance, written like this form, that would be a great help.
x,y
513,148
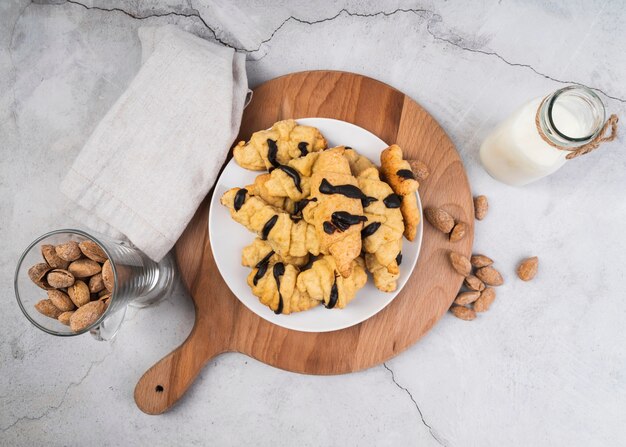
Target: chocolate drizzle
x,y
272,152
262,268
342,220
303,148
240,198
392,201
265,260
334,296
406,174
309,263
329,228
298,207
350,191
367,201
370,229
291,172
399,258
268,227
279,270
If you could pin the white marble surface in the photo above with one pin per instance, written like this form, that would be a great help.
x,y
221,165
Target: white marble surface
x,y
546,366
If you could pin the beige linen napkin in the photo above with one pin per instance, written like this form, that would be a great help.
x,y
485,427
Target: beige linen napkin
x,y
157,152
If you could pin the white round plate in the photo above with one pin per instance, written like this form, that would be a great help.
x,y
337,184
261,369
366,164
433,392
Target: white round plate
x,y
228,238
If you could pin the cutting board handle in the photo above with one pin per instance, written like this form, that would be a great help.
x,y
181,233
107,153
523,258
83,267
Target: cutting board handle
x,y
166,382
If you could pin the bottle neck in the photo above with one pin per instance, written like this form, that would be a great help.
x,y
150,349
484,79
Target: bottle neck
x,y
571,117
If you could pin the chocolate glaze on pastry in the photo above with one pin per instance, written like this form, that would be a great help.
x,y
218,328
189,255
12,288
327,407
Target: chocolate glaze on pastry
x,y
370,229
334,295
268,227
303,148
399,258
406,173
272,152
279,270
299,205
240,198
291,172
367,201
350,191
392,201
265,259
262,268
342,220
329,228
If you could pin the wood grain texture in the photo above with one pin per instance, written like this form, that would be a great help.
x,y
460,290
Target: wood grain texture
x,y
224,324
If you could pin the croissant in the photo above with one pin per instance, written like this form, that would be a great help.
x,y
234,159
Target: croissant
x,y
397,172
286,236
358,163
336,209
259,188
382,235
292,180
285,289
275,286
260,250
385,278
285,141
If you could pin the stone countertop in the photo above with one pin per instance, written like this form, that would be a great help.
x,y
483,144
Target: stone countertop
x,y
545,366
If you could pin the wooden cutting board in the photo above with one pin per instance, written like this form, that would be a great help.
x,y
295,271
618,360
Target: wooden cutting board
x,y
224,324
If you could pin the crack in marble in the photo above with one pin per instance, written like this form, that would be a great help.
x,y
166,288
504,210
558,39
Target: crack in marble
x,y
430,429
194,14
516,64
434,17
52,408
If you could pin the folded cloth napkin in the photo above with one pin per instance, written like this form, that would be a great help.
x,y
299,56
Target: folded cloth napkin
x,y
157,152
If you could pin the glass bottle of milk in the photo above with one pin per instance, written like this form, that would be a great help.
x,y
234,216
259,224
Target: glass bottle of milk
x,y
535,141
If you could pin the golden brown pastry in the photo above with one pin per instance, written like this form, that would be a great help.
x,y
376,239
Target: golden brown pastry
x,y
285,141
275,286
382,234
385,278
286,236
336,210
259,188
397,172
322,282
260,250
358,163
293,180
285,289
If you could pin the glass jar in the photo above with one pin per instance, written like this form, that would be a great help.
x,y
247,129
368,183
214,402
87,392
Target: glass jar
x,y
138,280
543,134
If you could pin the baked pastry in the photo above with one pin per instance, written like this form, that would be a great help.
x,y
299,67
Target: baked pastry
x,y
259,188
323,283
275,286
322,218
285,289
292,180
260,250
286,236
358,163
336,210
285,141
385,279
382,235
397,172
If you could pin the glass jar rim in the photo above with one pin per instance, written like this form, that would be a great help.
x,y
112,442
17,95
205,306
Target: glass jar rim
x,y
548,121
23,258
